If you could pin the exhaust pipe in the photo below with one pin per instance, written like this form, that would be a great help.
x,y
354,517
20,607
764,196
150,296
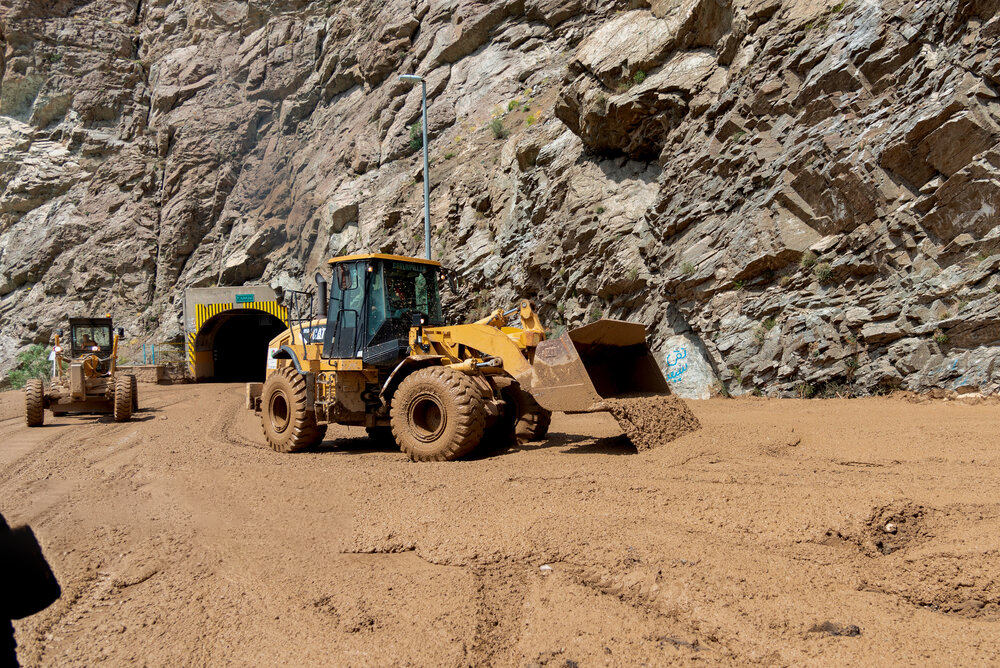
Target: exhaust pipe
x,y
324,304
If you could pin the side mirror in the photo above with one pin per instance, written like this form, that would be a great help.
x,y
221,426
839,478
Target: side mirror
x,y
59,332
419,320
121,332
452,284
324,304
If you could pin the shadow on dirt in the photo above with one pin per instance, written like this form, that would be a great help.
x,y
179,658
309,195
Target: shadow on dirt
x,y
573,444
359,445
578,444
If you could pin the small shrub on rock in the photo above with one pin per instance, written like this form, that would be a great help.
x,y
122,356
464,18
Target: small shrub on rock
x,y
498,130
32,362
823,271
416,137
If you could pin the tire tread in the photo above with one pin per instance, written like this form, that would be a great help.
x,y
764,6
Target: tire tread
x,y
34,403
470,416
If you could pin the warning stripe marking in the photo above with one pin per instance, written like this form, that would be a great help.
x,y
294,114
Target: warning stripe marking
x,y
205,312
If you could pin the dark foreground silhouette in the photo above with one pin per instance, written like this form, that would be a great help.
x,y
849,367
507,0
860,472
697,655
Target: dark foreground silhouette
x,y
26,581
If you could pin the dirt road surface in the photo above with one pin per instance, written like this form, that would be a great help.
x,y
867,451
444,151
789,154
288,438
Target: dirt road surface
x,y
782,532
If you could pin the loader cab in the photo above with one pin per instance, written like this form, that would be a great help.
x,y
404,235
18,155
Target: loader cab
x,y
374,301
90,336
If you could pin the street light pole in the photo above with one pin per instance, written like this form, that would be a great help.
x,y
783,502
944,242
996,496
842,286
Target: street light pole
x,y
427,182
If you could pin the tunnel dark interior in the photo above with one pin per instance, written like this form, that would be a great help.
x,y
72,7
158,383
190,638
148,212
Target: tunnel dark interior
x,y
239,348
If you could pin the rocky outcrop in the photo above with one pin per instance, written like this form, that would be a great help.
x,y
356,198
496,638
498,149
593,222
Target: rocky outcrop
x,y
797,196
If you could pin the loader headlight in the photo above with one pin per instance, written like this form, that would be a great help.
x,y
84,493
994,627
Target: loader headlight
x,y
95,348
57,349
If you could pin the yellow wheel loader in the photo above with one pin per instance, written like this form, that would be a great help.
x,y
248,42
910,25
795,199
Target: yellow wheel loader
x,y
85,378
378,354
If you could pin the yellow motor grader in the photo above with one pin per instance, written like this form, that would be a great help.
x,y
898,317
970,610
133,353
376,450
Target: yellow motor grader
x,y
85,378
378,354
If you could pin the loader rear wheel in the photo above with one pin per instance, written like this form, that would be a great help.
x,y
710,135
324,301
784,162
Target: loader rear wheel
x,y
288,425
135,394
437,414
123,399
34,403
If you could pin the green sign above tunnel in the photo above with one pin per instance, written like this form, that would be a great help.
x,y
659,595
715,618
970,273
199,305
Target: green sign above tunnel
x,y
244,299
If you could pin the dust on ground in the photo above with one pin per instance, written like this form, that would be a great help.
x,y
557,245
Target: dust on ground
x,y
652,419
805,532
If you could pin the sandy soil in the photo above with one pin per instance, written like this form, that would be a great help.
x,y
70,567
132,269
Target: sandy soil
x,y
760,538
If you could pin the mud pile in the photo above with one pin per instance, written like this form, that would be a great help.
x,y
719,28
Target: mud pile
x,y
652,420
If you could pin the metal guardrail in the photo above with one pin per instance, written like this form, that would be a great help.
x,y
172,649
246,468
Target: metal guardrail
x,y
163,353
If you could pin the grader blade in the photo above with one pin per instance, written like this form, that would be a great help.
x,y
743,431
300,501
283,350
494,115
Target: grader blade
x,y
581,369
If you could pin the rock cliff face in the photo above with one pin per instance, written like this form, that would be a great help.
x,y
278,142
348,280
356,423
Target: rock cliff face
x,y
795,195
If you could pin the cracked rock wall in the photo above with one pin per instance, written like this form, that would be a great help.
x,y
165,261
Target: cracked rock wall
x,y
796,196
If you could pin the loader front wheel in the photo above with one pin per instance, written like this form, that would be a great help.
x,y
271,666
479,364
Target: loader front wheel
x,y
530,421
123,399
437,414
34,403
288,425
533,423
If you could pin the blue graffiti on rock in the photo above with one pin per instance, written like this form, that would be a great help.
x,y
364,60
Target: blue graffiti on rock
x,y
676,364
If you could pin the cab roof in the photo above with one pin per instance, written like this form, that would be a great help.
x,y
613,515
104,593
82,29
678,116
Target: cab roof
x,y
90,322
383,256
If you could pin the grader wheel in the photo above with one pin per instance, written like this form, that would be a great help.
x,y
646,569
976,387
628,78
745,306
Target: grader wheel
x,y
34,403
437,414
135,393
123,399
288,425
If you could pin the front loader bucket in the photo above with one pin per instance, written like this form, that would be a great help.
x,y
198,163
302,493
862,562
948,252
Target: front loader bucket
x,y
606,359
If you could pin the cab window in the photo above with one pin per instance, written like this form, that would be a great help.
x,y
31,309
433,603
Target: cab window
x,y
412,287
87,336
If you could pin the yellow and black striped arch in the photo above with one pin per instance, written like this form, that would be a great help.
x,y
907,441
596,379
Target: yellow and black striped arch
x,y
205,312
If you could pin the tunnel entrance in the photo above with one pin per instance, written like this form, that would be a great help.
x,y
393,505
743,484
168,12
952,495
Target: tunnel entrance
x,y
232,346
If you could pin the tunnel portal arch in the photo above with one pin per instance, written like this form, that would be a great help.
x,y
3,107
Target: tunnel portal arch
x,y
228,330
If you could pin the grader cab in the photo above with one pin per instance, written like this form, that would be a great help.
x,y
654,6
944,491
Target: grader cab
x,y
85,378
379,354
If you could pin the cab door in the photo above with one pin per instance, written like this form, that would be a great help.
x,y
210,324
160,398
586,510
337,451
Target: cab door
x,y
347,308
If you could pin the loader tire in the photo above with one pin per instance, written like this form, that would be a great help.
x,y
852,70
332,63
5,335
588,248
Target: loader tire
x,y
34,403
135,394
123,399
523,420
288,424
534,421
501,435
437,414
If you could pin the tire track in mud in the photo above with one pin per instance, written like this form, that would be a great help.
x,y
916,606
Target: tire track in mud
x,y
225,427
76,602
646,590
500,595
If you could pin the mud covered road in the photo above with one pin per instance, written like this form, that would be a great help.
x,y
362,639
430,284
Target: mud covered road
x,y
782,532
